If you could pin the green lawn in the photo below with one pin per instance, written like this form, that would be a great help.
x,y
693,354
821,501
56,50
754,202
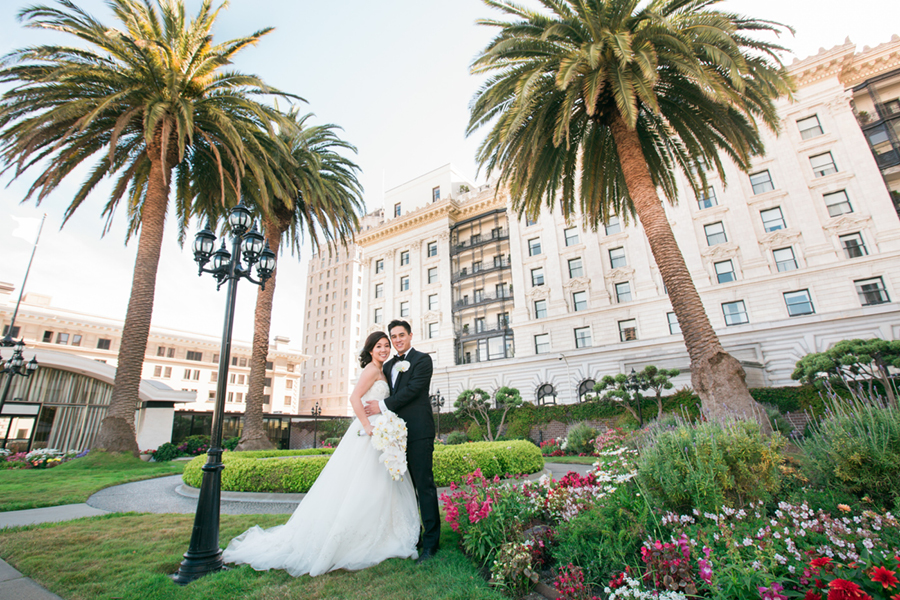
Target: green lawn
x,y
120,556
72,482
571,460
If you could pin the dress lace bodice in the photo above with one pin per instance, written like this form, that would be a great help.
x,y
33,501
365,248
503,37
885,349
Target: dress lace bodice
x,y
378,391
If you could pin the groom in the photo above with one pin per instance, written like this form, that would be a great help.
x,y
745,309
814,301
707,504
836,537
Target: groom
x,y
409,377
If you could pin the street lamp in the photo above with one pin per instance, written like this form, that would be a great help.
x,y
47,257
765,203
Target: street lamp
x,y
15,366
316,412
437,401
204,555
633,385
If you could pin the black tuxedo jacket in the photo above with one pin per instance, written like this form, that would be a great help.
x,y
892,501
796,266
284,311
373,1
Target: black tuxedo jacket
x,y
409,396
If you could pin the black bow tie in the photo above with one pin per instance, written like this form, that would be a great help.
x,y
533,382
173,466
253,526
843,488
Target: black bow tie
x,y
401,357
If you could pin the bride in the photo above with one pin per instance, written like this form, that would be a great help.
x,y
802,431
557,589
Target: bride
x,y
332,527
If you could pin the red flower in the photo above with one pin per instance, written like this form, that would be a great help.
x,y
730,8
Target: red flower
x,y
812,595
820,562
841,589
884,577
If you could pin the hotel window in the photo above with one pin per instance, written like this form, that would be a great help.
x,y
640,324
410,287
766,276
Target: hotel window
x,y
837,203
503,320
103,344
772,219
404,309
476,266
213,377
501,290
542,343
397,210
735,313
48,337
432,330
674,327
613,226
822,164
192,355
576,269
160,350
571,236
537,276
433,275
267,382
580,301
404,283
479,324
627,330
529,221
707,198
784,259
404,258
212,396
379,290
761,182
534,246
478,295
379,266
187,374
15,331
809,127
853,245
76,340
433,302
540,309
167,372
62,338
583,337
157,371
431,249
715,233
871,291
435,193
798,303
617,258
377,316
623,292
725,271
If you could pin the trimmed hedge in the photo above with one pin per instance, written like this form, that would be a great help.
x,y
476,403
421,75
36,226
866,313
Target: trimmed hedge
x,y
244,472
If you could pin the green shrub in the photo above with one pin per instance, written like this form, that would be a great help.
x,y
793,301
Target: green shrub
x,y
604,538
333,442
856,449
777,420
194,443
453,463
166,452
231,443
475,432
710,465
456,437
580,439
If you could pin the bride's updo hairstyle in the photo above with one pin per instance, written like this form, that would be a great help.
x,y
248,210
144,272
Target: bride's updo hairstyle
x,y
365,357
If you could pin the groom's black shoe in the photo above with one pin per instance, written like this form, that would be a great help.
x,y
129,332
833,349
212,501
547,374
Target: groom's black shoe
x,y
426,555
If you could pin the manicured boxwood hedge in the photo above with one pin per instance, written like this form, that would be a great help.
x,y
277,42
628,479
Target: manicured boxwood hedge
x,y
244,472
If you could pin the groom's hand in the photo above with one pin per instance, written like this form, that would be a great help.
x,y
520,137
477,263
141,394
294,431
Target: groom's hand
x,y
372,407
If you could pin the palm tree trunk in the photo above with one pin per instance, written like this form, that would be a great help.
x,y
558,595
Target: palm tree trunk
x,y
254,433
117,433
717,377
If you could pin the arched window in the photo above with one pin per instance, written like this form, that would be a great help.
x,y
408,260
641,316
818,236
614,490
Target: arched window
x,y
586,390
545,394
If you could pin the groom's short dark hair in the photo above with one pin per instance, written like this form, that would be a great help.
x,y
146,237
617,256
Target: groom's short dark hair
x,y
399,323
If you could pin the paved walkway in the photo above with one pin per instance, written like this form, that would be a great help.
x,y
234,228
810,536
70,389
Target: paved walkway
x,y
161,495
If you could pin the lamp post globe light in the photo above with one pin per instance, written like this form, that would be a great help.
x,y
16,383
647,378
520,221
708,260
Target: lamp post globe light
x,y
437,401
16,365
316,412
247,245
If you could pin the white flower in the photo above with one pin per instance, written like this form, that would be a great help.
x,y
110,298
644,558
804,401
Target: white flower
x,y
402,366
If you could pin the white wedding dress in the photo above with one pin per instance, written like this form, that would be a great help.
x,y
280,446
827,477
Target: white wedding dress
x,y
355,515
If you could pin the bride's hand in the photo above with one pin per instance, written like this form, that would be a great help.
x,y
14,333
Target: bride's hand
x,y
368,429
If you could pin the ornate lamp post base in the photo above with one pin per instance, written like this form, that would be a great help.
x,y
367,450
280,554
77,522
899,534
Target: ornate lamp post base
x,y
204,556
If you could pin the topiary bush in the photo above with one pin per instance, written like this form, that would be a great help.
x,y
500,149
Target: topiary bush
x,y
456,437
475,432
580,439
453,463
166,452
856,449
710,465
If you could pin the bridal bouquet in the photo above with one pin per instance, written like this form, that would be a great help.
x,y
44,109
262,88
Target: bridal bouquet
x,y
389,436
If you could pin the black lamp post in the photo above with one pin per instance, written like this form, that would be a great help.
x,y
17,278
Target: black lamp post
x,y
15,366
316,412
204,555
634,387
437,401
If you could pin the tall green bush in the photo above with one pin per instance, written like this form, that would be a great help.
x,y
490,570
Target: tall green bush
x,y
710,465
579,439
856,448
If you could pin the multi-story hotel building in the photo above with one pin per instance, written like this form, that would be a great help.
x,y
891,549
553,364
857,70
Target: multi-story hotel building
x,y
180,368
332,329
801,252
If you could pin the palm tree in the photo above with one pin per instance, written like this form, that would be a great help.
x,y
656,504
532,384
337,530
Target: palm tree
x,y
326,201
153,103
595,103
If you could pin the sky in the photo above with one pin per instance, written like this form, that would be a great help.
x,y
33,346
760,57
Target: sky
x,y
393,74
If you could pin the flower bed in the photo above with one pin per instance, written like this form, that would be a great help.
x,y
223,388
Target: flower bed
x,y
42,458
244,472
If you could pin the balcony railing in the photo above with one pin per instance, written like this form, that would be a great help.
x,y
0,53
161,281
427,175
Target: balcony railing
x,y
473,271
496,235
481,300
469,333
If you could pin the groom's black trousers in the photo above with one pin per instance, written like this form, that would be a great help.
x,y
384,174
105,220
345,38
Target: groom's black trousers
x,y
419,463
